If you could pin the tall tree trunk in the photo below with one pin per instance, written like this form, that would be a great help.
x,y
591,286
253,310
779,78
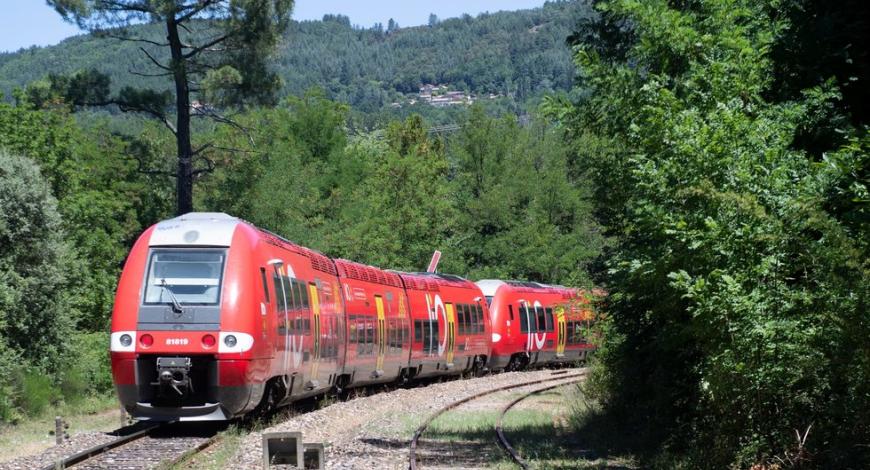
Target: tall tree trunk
x,y
184,173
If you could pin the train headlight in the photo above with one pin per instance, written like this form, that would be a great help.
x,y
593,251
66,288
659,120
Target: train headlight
x,y
234,342
122,341
496,337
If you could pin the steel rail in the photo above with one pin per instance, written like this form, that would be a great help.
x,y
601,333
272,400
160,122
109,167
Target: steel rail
x,y
412,462
191,452
94,451
498,426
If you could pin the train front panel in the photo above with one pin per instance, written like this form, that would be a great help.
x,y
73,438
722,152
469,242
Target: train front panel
x,y
186,337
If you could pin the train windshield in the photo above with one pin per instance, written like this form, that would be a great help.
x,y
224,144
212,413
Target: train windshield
x,y
191,277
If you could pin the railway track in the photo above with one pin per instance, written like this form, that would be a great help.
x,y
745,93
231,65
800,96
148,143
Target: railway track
x,y
163,444
557,376
502,439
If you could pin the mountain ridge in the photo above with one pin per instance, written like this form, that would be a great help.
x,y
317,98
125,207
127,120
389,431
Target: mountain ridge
x,y
520,54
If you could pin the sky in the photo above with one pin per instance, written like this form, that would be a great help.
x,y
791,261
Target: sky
x,y
25,23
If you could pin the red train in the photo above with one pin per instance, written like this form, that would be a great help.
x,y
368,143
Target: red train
x,y
215,317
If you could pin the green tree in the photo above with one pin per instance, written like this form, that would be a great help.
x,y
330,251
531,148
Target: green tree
x,y
104,201
739,279
411,210
219,52
35,261
523,212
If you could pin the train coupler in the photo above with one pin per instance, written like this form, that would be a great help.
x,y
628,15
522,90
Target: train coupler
x,y
174,373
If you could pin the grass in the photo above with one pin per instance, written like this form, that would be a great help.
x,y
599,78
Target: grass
x,y
541,428
35,434
219,454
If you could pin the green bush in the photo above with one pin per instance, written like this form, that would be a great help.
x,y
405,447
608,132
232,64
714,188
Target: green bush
x,y
10,362
37,392
739,278
89,370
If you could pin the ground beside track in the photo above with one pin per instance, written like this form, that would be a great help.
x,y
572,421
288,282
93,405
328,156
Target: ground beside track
x,y
375,431
29,445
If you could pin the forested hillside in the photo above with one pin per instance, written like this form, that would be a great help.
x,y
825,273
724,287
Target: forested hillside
x,y
519,53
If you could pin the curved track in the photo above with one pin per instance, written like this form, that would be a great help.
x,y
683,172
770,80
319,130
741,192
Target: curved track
x,y
412,461
498,427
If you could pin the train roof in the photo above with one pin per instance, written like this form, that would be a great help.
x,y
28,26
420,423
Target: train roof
x,y
433,281
362,272
490,286
195,229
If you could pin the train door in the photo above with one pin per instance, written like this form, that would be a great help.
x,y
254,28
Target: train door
x,y
282,310
561,331
266,309
314,299
382,334
451,332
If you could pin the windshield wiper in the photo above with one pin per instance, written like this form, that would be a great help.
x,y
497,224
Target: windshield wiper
x,y
176,305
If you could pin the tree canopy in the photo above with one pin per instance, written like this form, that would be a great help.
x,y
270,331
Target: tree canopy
x,y
739,275
217,49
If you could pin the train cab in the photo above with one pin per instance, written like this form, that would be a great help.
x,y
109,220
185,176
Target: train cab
x,y
210,311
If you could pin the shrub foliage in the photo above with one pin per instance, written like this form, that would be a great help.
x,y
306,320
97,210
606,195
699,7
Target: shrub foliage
x,y
739,278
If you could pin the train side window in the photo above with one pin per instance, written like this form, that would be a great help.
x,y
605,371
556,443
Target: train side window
x,y
360,337
295,301
549,318
471,317
511,311
430,336
265,285
293,294
478,316
352,328
482,318
435,335
524,320
279,293
305,301
461,319
424,333
542,318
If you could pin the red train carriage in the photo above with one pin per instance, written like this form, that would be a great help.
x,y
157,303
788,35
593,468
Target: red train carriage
x,y
534,323
303,325
450,324
378,337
